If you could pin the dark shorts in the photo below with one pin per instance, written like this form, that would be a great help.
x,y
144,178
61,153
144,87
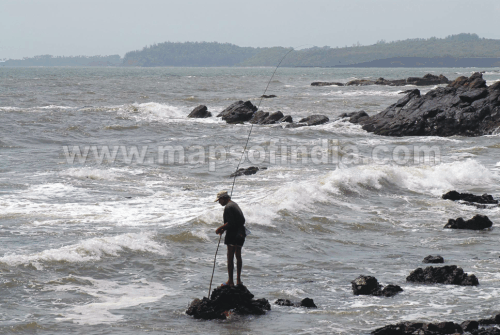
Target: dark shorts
x,y
234,240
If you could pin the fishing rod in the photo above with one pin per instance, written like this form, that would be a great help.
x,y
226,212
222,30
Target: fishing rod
x,y
242,155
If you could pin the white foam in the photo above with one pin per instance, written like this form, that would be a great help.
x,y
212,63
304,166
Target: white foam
x,y
92,249
153,112
109,296
91,173
420,178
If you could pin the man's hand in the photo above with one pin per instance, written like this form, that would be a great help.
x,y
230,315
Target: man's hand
x,y
220,230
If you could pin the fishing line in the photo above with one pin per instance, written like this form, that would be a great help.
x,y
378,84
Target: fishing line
x,y
243,153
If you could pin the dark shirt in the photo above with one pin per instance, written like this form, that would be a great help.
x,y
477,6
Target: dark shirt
x,y
235,219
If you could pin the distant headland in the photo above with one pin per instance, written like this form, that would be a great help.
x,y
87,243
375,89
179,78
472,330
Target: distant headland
x,y
462,50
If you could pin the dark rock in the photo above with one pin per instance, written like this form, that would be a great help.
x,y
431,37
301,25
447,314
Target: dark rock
x,y
491,321
238,112
284,302
427,80
323,83
469,325
200,112
450,274
489,331
368,285
273,118
236,299
478,222
419,328
307,302
360,82
465,107
314,120
287,118
433,259
259,116
355,117
248,171
470,198
268,96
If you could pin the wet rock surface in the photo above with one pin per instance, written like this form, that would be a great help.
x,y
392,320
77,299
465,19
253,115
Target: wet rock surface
x,y
261,117
478,222
200,112
427,80
312,120
268,96
466,107
225,300
421,328
433,259
368,285
470,199
450,274
247,171
307,302
240,111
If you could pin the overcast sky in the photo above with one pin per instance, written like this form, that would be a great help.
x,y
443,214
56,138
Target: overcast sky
x,y
106,27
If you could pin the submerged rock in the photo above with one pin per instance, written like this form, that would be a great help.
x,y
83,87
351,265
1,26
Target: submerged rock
x,y
312,120
450,274
355,117
306,302
248,171
268,96
478,222
469,198
238,112
433,259
368,285
324,83
200,112
225,300
465,107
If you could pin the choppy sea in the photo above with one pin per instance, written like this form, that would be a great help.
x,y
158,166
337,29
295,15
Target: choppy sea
x,y
107,219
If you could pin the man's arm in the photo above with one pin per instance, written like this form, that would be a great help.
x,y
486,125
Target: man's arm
x,y
222,229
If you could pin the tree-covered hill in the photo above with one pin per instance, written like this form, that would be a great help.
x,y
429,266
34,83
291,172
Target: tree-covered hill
x,y
225,54
189,54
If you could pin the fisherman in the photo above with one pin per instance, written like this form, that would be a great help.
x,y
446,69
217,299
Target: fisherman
x,y
234,222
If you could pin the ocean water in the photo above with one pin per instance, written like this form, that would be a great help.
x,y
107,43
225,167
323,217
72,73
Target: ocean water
x,y
121,240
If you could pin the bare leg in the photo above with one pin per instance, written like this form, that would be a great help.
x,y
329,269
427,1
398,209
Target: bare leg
x,y
239,265
230,264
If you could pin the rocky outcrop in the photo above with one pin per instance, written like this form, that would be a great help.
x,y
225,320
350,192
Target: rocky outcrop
x,y
265,118
421,328
427,80
368,285
248,171
478,222
450,274
355,117
312,120
465,107
200,112
469,198
226,300
413,328
324,83
433,259
238,112
306,302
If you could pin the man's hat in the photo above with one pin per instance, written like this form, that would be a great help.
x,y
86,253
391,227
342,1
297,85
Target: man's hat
x,y
221,194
